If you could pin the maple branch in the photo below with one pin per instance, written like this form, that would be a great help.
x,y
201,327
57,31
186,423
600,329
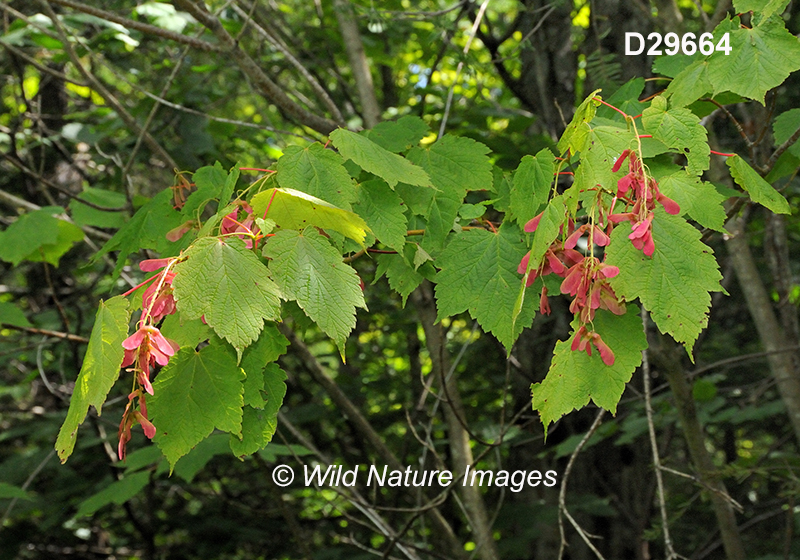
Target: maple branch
x,y
562,494
268,89
670,365
648,404
363,426
46,332
103,91
781,149
310,78
458,436
749,143
358,61
145,28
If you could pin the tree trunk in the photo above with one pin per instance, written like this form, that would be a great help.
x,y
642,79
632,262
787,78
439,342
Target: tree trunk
x,y
769,330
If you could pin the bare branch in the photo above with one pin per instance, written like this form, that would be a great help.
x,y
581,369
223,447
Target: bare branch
x,y
562,494
103,91
358,61
140,26
269,89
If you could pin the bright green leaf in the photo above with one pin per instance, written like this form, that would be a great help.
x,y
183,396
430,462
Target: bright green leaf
x,y
689,85
455,165
99,371
84,215
145,230
784,127
479,274
318,172
28,233
296,210
674,283
575,134
762,57
759,190
210,181
310,270
700,200
10,314
226,282
532,182
259,425
764,8
384,212
376,160
269,346
398,136
604,144
680,130
575,377
195,393
402,277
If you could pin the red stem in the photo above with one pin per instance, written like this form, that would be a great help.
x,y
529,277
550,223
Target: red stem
x,y
257,169
721,154
129,292
623,113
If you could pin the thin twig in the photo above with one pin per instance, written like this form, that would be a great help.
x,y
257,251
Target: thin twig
x,y
562,494
46,332
648,404
449,102
145,28
102,90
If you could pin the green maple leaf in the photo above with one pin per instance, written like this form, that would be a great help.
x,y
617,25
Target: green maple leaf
x,y
384,212
578,129
532,181
310,270
763,8
674,283
10,314
761,58
785,125
259,423
318,172
700,200
626,99
689,85
195,393
269,346
759,190
402,277
210,181
292,209
549,227
38,236
99,371
479,274
118,492
398,136
145,230
575,377
455,165
185,332
374,159
225,282
604,144
680,130
84,215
